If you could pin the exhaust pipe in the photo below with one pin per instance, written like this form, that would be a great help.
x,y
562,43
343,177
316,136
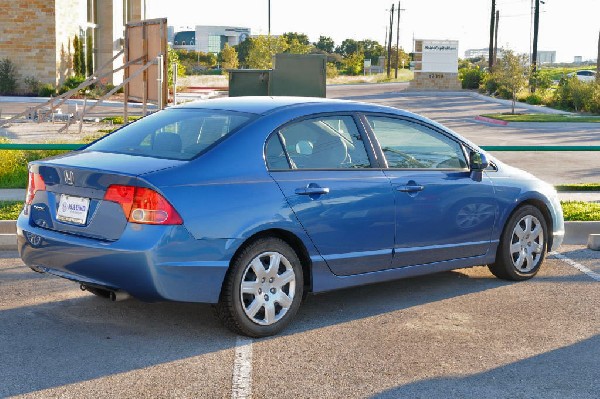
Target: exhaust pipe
x,y
118,296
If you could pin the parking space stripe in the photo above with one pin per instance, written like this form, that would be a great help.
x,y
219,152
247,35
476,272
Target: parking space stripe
x,y
576,265
241,384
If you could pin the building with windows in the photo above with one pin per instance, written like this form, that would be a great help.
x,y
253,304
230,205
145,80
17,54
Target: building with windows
x,y
37,35
209,39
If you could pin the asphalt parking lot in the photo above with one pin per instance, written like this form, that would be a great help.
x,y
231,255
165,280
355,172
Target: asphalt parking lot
x,y
461,334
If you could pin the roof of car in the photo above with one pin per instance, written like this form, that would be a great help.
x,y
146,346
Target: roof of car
x,y
259,105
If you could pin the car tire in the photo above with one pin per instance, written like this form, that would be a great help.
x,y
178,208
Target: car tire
x,y
522,246
262,290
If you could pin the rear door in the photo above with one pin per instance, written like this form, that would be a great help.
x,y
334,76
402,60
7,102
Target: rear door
x,y
442,212
345,205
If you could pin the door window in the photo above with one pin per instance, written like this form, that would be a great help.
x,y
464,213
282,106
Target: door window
x,y
327,142
409,145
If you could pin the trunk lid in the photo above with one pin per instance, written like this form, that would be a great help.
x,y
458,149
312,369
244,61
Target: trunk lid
x,y
75,186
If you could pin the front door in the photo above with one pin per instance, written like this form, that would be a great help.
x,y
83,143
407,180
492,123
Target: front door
x,y
442,213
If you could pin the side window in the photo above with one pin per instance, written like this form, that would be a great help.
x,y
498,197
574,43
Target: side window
x,y
328,142
409,145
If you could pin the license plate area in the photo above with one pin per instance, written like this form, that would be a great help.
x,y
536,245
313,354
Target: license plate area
x,y
73,209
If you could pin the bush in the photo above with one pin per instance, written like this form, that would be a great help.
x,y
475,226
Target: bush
x,y
8,77
71,83
332,70
573,94
354,64
33,85
533,99
46,90
470,77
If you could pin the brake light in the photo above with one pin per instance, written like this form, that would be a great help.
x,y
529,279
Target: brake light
x,y
36,183
142,205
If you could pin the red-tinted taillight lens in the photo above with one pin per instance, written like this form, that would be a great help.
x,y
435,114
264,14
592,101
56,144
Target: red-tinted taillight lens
x,y
142,205
36,183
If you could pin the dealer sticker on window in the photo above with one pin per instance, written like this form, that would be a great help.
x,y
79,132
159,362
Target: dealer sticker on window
x,y
73,209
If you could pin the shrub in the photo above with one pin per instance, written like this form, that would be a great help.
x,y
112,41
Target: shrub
x,y
8,77
533,99
575,95
71,83
33,85
332,70
354,64
470,77
46,90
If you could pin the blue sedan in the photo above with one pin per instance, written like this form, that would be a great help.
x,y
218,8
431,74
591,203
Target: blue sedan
x,y
251,203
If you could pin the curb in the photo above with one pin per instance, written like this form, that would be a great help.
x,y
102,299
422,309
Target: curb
x,y
490,120
576,233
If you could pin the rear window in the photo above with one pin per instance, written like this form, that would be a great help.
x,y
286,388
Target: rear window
x,y
174,134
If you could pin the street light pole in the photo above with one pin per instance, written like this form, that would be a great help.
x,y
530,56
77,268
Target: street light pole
x,y
269,29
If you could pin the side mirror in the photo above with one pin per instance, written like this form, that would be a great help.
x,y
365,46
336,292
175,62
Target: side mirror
x,y
478,161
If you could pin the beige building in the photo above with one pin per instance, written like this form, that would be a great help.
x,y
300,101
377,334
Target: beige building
x,y
37,35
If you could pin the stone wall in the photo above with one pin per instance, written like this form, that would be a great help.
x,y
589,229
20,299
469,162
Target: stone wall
x,y
27,32
435,81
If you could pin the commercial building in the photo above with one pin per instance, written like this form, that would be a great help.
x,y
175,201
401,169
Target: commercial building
x,y
37,35
210,39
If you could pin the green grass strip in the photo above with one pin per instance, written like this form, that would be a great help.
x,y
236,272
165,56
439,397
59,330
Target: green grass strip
x,y
544,118
9,210
578,187
581,211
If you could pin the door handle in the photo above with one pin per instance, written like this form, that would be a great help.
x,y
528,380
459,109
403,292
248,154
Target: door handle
x,y
310,190
410,188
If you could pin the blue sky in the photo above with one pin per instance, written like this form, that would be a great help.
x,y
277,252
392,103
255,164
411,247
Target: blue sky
x,y
568,27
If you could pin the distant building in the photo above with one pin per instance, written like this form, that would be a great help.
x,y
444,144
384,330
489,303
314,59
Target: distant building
x,y
37,35
477,53
578,59
210,39
546,57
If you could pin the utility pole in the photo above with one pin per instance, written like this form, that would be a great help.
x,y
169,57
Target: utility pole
x,y
398,40
491,49
496,36
269,23
536,25
389,57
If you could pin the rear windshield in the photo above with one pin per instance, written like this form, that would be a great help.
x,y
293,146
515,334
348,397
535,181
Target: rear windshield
x,y
174,133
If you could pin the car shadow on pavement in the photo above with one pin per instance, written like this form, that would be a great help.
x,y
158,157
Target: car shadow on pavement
x,y
57,342
567,372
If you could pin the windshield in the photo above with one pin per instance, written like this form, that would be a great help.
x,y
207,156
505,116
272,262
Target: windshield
x,y
175,134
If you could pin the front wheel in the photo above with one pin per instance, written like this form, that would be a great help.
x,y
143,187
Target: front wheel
x,y
522,245
263,289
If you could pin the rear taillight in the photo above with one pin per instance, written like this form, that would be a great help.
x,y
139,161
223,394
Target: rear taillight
x,y
36,183
142,205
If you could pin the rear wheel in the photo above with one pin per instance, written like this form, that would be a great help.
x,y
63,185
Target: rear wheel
x,y
263,289
522,245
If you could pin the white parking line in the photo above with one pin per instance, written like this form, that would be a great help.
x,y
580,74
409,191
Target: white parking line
x,y
576,265
241,384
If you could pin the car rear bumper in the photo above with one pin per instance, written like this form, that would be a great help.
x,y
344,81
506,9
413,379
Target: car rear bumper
x,y
152,263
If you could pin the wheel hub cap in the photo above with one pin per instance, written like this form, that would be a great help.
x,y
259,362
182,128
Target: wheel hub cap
x,y
527,244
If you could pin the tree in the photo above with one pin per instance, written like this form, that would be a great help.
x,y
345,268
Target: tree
x,y
348,46
229,58
512,74
243,49
296,47
354,63
371,48
263,49
8,77
89,56
76,56
301,37
325,44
